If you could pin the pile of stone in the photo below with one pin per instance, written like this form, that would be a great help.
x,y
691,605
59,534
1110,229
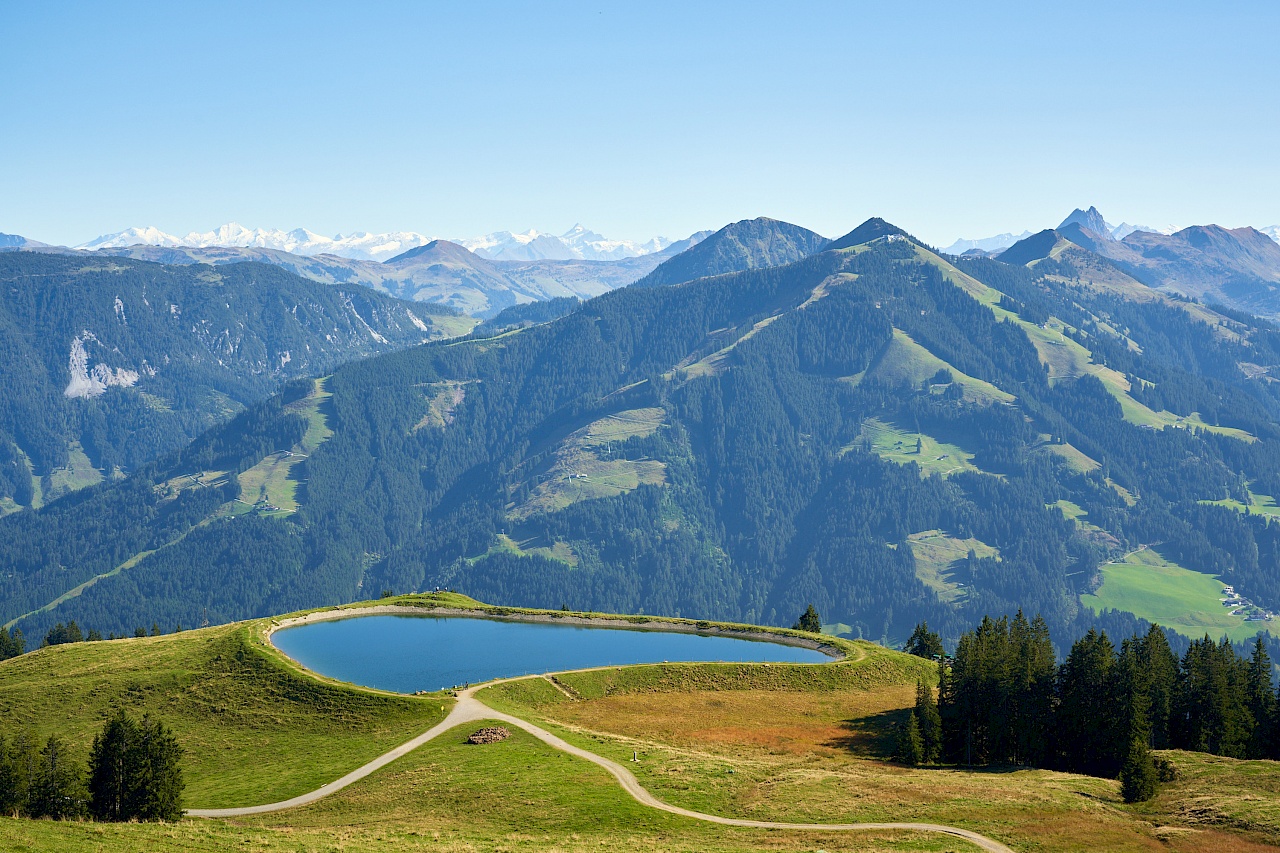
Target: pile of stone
x,y
489,734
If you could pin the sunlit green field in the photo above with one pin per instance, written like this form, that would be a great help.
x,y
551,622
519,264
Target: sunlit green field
x,y
1161,591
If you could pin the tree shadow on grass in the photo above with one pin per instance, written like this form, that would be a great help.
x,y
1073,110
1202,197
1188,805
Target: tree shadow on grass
x,y
876,736
872,736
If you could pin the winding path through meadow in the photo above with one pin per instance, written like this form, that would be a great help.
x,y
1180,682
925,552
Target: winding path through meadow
x,y
469,709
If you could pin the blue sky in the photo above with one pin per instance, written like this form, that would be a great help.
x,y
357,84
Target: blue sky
x,y
949,119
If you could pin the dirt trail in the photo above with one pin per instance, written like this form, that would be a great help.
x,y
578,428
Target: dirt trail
x,y
469,709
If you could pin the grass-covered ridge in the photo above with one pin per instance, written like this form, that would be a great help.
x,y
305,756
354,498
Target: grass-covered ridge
x,y
255,728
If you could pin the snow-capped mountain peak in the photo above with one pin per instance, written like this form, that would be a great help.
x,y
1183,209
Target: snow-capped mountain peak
x,y
1124,229
145,236
985,244
578,242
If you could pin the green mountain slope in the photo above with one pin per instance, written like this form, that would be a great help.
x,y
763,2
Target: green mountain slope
x,y
737,448
108,363
746,245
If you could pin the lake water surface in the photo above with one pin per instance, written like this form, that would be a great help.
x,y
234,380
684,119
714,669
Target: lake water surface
x,y
410,653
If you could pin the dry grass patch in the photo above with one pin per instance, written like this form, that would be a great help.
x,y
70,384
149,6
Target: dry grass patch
x,y
774,721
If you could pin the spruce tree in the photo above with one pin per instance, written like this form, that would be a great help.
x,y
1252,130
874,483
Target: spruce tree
x,y
1274,739
113,769
1161,667
10,790
57,789
1138,777
1133,692
11,643
1261,701
134,771
930,722
1030,691
809,621
159,796
910,744
924,643
1090,738
24,760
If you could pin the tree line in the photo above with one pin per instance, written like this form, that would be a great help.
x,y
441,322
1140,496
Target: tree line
x,y
134,773
1003,699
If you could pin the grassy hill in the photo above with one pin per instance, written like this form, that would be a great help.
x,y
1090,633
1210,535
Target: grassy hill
x,y
782,742
255,729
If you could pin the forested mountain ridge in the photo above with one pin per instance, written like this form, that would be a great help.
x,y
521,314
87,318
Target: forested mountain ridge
x,y
108,363
746,245
875,429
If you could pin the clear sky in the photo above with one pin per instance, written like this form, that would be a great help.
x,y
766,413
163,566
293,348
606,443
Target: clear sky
x,y
949,119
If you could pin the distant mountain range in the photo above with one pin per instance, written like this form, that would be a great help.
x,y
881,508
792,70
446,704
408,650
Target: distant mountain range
x,y
1090,219
13,241
986,245
1238,268
482,276
438,271
578,243
862,424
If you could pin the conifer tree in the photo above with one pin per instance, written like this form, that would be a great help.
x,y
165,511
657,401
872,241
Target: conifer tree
x,y
910,744
1161,667
1211,707
12,643
1138,777
1033,668
929,721
159,796
1087,723
134,771
924,643
11,795
57,789
113,769
23,760
1261,701
809,621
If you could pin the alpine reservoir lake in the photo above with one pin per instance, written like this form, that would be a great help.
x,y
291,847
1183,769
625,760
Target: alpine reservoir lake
x,y
409,653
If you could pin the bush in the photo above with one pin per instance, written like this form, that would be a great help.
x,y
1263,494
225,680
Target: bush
x,y
1166,770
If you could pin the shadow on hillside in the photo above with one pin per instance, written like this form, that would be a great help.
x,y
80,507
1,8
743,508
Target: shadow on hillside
x,y
876,735
872,736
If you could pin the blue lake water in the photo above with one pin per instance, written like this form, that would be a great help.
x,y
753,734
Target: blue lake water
x,y
410,653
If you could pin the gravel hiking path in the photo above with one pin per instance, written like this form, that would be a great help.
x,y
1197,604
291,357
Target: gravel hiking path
x,y
469,709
